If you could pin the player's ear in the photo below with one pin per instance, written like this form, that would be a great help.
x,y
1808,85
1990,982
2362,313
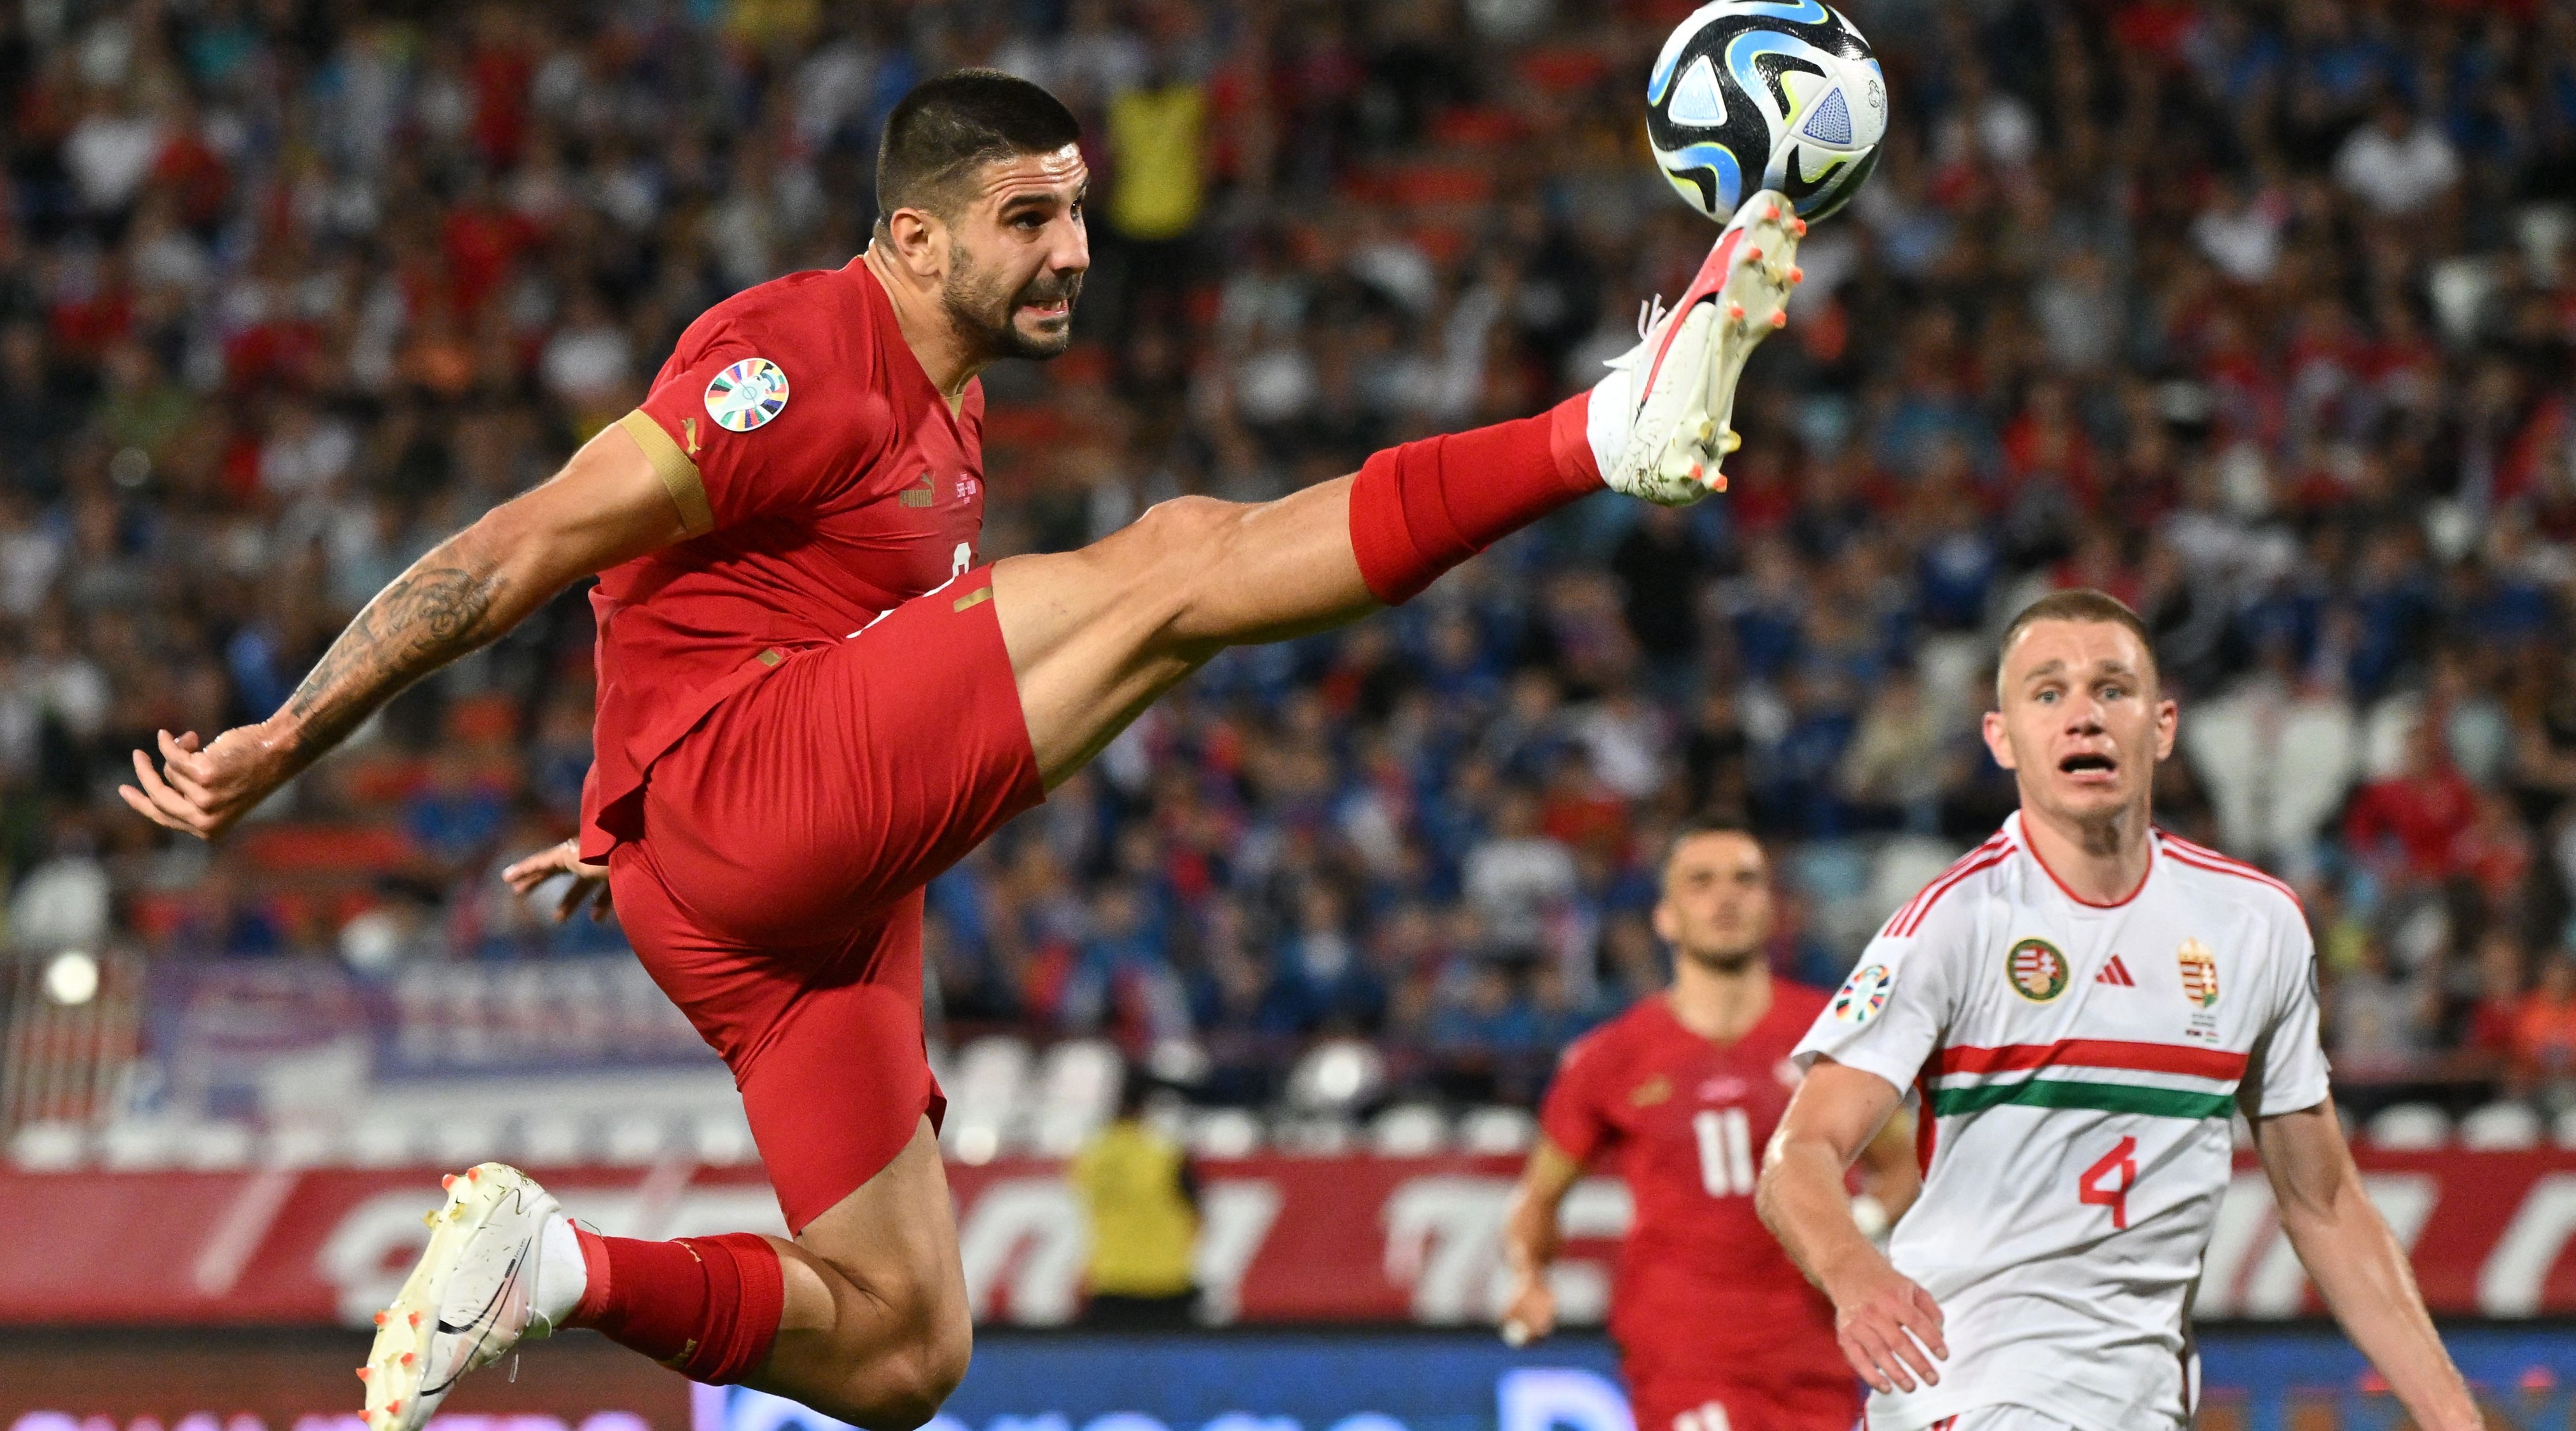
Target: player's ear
x,y
1999,741
919,241
2168,722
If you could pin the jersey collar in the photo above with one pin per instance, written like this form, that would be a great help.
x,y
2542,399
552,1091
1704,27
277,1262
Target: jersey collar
x,y
2155,838
905,362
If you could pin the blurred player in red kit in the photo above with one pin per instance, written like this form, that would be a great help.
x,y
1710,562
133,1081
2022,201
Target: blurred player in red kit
x,y
813,698
1717,1329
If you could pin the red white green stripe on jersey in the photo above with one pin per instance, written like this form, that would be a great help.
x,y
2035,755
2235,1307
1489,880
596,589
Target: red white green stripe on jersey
x,y
2159,1080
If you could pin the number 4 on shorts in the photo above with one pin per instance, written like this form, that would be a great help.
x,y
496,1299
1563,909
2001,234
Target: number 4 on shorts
x,y
1707,1416
2107,1183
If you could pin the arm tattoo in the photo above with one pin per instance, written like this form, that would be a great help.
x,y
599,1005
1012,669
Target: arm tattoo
x,y
429,616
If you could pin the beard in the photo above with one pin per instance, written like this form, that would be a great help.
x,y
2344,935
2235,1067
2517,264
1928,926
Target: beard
x,y
1724,961
988,317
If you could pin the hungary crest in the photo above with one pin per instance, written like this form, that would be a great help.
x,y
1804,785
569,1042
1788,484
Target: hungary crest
x,y
2036,970
2199,973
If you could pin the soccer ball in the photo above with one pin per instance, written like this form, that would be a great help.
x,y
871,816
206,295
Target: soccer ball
x,y
1766,94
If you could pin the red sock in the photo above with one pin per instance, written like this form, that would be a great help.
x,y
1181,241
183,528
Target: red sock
x,y
708,1306
1422,508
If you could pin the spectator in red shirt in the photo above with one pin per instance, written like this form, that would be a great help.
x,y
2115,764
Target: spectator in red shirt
x,y
2410,823
2496,1015
2046,445
2495,850
481,239
2544,1031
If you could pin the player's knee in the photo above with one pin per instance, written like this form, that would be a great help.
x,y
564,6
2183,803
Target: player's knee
x,y
1182,546
915,1380
943,1362
1190,534
1186,533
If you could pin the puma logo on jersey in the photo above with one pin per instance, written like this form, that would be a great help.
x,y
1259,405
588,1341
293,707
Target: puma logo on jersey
x,y
2116,974
689,434
923,495
1657,1089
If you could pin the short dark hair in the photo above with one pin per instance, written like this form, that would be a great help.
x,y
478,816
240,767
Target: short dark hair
x,y
949,126
1708,824
2082,603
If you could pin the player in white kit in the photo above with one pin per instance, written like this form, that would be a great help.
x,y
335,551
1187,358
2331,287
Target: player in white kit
x,y
2081,1002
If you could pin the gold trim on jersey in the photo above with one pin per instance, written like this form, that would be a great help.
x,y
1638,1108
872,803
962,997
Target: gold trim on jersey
x,y
680,476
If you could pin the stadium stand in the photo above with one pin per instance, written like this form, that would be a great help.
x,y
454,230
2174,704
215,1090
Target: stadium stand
x,y
2258,316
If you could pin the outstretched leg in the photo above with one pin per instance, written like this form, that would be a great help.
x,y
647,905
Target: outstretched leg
x,y
1096,635
863,1314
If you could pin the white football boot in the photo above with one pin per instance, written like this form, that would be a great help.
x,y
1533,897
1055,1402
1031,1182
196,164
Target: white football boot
x,y
1659,422
472,1298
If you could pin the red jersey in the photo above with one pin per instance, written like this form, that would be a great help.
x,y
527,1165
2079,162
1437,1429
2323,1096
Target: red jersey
x,y
1702,1288
823,480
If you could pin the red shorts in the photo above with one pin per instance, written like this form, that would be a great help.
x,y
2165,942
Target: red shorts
x,y
1797,1404
775,890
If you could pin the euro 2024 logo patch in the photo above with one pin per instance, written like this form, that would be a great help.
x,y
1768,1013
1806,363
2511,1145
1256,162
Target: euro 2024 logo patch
x,y
747,394
1864,994
2035,970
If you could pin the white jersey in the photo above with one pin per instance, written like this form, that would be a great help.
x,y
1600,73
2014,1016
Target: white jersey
x,y
2078,1064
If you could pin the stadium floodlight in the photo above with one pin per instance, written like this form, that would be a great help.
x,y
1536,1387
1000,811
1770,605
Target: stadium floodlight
x,y
71,979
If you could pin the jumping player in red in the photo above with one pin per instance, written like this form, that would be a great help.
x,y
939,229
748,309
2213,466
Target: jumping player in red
x,y
813,698
1717,1329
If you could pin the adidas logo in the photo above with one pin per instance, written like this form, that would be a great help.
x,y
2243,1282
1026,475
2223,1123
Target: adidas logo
x,y
2115,974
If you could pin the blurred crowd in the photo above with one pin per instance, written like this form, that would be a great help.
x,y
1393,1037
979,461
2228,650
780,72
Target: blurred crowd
x,y
2257,315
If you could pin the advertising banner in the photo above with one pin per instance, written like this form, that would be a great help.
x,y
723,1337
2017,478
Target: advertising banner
x,y
225,1379
1375,1379
1284,1239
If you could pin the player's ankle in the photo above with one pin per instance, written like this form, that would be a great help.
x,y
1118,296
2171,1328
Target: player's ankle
x,y
1418,509
1609,412
707,1306
565,1278
1569,444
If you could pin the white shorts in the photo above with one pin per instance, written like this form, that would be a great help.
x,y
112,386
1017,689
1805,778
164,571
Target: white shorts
x,y
2000,1418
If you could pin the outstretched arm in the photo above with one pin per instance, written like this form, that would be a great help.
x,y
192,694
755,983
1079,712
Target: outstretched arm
x,y
1530,1240
2357,1265
605,507
1890,1329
